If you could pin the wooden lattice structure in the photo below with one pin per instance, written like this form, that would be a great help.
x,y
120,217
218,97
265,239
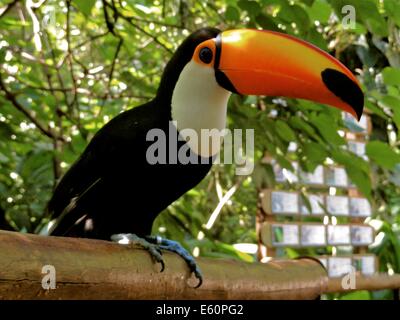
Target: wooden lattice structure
x,y
329,216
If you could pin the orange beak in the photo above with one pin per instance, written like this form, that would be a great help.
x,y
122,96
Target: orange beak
x,y
254,62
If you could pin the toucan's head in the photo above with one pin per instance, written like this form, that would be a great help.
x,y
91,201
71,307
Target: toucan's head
x,y
255,62
211,64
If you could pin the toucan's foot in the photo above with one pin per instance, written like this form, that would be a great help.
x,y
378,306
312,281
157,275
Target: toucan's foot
x,y
152,248
154,245
176,247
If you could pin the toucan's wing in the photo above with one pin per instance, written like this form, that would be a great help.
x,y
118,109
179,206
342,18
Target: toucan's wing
x,y
78,180
101,159
84,177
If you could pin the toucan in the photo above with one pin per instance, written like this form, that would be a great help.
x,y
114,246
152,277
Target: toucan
x,y
114,192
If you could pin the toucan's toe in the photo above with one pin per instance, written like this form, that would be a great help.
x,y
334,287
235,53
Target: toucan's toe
x,y
177,248
133,239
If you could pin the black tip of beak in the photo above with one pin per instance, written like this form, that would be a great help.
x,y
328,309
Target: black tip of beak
x,y
345,89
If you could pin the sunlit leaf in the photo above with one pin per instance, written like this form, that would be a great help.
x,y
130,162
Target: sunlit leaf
x,y
232,14
85,6
382,154
284,131
320,11
391,76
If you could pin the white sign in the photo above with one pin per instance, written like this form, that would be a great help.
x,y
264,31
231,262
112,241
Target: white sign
x,y
368,265
284,202
360,207
363,123
338,205
339,234
315,201
313,235
357,148
336,177
361,235
339,266
285,175
316,177
285,235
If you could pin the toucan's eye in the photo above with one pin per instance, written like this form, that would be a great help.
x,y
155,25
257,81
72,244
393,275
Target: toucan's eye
x,y
206,55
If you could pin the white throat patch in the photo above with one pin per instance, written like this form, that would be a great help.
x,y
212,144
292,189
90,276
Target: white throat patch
x,y
199,102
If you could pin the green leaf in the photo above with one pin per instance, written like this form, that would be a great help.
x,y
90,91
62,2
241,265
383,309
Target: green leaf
x,y
327,129
392,103
5,130
357,169
316,38
252,7
229,250
320,11
3,158
310,105
314,152
2,55
295,14
85,6
300,124
367,56
376,26
357,295
382,154
263,176
266,22
392,8
391,76
366,11
284,131
12,23
386,294
360,179
360,29
284,163
374,109
232,14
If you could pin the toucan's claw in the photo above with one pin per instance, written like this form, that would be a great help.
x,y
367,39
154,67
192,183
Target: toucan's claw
x,y
154,245
176,247
133,239
199,277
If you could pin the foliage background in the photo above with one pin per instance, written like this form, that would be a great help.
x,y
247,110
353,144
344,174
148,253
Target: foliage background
x,y
68,67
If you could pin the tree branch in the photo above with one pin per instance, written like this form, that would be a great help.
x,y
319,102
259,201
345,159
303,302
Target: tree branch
x,y
94,269
91,38
69,58
155,38
109,24
8,7
130,20
12,98
223,201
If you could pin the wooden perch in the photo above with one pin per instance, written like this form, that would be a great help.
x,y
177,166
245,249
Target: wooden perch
x,y
373,282
93,269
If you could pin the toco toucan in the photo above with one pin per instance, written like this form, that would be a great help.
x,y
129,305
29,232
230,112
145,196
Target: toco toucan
x,y
113,191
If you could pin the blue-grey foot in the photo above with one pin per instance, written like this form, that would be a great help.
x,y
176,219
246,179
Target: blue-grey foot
x,y
154,245
176,247
152,248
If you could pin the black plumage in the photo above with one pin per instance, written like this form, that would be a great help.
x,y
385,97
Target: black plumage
x,y
112,188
